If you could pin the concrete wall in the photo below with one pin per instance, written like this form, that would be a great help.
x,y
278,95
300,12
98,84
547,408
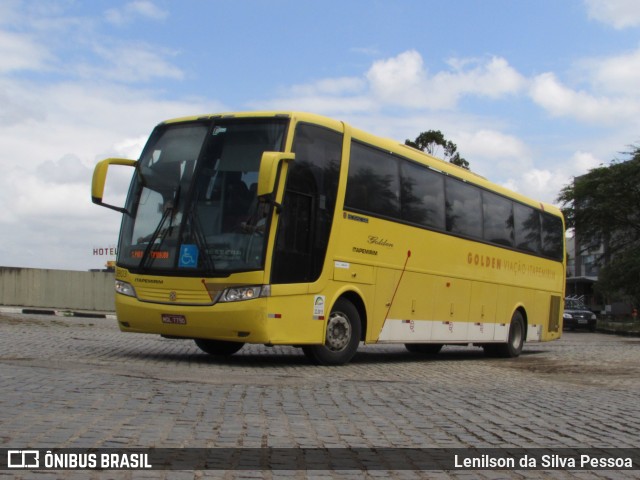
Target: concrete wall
x,y
58,289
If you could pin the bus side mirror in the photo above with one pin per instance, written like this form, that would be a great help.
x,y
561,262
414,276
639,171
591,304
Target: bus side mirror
x,y
100,177
269,170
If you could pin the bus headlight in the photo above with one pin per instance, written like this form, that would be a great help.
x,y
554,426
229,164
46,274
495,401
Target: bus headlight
x,y
238,294
125,288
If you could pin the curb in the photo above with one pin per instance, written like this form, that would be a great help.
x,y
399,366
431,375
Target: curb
x,y
57,313
627,328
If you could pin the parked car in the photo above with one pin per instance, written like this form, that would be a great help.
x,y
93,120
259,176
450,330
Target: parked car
x,y
577,315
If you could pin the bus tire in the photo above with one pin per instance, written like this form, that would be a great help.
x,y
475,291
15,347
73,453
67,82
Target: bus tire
x,y
424,348
219,348
515,341
342,336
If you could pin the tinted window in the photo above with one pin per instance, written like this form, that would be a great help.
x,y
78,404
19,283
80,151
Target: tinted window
x,y
498,219
382,184
464,208
373,184
527,226
422,194
552,236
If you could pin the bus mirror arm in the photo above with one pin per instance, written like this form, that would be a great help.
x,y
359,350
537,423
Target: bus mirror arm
x,y
100,177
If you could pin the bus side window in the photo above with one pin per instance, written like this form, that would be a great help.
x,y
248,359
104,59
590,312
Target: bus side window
x,y
498,219
377,172
463,208
422,195
527,227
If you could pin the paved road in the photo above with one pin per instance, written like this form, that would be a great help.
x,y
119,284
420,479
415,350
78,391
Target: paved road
x,y
72,382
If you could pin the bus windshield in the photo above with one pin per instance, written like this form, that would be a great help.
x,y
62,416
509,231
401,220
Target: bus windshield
x,y
193,207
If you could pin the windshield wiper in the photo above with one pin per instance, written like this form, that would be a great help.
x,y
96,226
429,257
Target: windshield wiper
x,y
168,212
201,242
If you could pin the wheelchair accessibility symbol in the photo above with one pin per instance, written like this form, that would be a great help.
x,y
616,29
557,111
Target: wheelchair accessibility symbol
x,y
188,256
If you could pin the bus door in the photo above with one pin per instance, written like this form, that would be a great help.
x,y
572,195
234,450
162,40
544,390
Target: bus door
x,y
308,206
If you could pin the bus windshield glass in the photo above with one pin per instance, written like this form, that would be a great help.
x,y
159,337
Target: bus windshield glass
x,y
192,206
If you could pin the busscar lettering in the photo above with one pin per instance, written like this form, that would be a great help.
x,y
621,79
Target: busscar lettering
x,y
356,218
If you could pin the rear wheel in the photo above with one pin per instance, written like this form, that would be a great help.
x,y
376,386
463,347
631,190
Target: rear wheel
x,y
342,336
218,347
515,341
424,348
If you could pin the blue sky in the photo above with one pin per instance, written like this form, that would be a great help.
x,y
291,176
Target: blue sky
x,y
532,92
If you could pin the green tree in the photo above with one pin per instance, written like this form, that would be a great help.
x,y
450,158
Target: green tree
x,y
431,140
604,208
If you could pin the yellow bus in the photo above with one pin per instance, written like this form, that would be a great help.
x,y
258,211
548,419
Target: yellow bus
x,y
288,228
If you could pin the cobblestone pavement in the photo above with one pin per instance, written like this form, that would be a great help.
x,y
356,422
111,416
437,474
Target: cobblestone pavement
x,y
73,382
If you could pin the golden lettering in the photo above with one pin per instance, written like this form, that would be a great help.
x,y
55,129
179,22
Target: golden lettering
x,y
516,267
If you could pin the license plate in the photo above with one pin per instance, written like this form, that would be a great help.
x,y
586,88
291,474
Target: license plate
x,y
174,319
582,320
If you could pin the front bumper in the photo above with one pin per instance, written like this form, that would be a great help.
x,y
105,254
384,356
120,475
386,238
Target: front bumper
x,y
240,322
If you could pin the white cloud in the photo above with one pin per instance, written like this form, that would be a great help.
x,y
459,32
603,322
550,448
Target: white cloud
x,y
17,104
542,184
66,170
132,10
404,81
132,63
492,144
546,183
492,79
559,100
619,74
329,96
582,162
492,153
130,147
400,80
20,52
617,13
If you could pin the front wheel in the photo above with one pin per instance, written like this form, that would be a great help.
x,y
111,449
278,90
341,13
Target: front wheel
x,y
342,336
218,347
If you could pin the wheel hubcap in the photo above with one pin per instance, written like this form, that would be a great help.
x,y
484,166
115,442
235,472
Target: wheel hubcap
x,y
338,331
